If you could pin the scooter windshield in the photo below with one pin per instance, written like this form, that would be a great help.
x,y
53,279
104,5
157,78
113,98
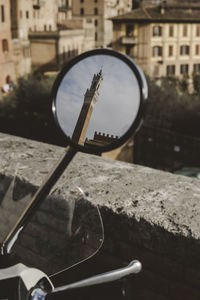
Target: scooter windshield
x,y
65,230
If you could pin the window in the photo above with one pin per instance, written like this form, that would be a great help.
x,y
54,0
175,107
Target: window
x,y
157,31
95,1
129,50
170,50
156,71
129,30
27,14
96,11
171,70
171,30
196,68
5,45
82,11
184,30
69,52
21,14
197,49
184,69
81,1
96,36
26,52
198,30
185,50
45,27
64,54
89,21
50,27
96,22
157,51
2,14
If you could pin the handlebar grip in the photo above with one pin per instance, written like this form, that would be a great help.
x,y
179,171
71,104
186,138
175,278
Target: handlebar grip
x,y
133,268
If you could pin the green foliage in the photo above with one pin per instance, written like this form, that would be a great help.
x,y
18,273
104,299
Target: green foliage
x,y
170,108
27,111
183,84
196,82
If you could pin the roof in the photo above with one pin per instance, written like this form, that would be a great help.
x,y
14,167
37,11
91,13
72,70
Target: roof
x,y
162,13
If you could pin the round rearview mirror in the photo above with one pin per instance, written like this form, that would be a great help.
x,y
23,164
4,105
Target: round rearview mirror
x,y
98,100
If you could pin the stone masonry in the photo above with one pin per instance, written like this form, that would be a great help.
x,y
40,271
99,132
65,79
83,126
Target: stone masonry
x,y
150,215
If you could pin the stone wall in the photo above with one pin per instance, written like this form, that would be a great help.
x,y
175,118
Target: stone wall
x,y
150,215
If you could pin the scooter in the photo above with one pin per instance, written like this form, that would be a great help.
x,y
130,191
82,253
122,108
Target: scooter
x,y
98,103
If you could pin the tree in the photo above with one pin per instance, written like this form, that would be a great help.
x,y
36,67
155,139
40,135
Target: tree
x,y
196,83
170,108
27,111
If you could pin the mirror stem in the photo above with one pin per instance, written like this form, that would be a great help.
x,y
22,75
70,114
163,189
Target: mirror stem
x,y
37,199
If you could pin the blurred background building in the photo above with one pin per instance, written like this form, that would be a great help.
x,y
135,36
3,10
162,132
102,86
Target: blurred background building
x,y
6,61
100,12
163,39
41,35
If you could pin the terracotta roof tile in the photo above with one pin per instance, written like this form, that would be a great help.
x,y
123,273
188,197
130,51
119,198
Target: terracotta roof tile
x,y
169,13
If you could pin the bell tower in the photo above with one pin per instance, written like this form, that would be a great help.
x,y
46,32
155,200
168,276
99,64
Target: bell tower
x,y
90,98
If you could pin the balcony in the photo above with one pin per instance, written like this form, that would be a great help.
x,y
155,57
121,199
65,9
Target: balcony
x,y
129,40
64,8
38,4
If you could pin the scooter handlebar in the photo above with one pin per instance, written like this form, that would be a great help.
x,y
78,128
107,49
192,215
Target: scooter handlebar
x,y
133,268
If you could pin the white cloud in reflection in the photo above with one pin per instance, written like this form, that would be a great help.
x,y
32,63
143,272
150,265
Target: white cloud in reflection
x,y
118,102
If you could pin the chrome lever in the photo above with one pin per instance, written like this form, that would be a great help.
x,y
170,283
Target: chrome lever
x,y
133,268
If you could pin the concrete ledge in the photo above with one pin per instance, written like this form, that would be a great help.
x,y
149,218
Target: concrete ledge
x,y
148,214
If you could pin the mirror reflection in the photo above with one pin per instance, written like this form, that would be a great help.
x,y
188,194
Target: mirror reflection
x,y
97,100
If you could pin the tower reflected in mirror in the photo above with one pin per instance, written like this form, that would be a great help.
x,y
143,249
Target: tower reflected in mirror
x,y
90,99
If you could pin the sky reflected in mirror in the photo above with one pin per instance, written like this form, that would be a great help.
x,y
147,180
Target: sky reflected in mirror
x,y
118,100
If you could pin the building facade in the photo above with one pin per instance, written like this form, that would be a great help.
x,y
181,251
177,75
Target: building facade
x,y
164,40
40,35
33,15
99,12
50,50
6,63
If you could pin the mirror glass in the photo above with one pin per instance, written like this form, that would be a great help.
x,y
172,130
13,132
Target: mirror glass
x,y
97,100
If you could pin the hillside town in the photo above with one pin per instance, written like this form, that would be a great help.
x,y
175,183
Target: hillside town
x,y
162,36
